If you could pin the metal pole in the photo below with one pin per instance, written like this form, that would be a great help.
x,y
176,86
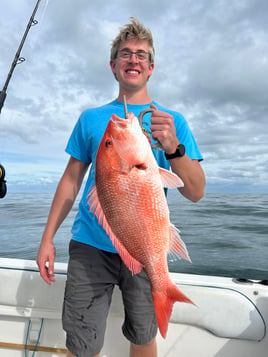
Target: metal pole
x,y
17,58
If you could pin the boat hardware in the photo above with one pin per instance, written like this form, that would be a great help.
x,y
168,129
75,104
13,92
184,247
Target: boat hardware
x,y
250,281
34,331
18,346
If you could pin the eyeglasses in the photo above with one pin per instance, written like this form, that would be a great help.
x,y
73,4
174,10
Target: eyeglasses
x,y
125,55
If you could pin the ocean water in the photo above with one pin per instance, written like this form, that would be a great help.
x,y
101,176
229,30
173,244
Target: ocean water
x,y
226,234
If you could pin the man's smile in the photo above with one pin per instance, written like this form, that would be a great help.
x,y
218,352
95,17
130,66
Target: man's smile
x,y
132,71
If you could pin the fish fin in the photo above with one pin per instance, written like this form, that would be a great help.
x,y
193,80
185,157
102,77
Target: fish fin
x,y
169,179
95,207
133,265
163,304
177,246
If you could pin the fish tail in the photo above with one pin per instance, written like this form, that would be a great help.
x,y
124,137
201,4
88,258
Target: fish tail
x,y
163,304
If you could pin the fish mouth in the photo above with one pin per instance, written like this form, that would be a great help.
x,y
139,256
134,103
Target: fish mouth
x,y
119,122
122,123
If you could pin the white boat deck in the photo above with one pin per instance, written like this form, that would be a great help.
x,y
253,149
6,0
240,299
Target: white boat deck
x,y
229,318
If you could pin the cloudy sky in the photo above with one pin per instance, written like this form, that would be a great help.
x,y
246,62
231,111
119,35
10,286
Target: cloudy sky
x,y
211,65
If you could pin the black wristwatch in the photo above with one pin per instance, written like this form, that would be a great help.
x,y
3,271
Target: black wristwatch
x,y
180,151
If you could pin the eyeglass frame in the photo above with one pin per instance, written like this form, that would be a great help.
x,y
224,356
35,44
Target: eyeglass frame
x,y
136,53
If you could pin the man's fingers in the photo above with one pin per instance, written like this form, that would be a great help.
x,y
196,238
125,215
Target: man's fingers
x,y
51,269
47,271
44,273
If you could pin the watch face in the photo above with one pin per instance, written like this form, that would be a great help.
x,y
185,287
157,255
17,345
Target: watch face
x,y
181,150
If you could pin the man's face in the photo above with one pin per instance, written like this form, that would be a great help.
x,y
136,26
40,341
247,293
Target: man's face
x,y
132,70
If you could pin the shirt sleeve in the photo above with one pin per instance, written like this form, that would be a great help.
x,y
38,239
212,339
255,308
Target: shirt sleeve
x,y
77,145
187,138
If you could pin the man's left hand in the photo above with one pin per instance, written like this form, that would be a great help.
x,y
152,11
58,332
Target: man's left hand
x,y
163,130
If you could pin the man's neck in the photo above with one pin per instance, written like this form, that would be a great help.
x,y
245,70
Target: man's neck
x,y
134,97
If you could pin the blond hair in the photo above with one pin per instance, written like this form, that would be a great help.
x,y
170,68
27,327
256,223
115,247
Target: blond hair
x,y
133,30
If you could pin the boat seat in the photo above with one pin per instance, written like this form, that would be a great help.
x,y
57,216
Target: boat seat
x,y
225,312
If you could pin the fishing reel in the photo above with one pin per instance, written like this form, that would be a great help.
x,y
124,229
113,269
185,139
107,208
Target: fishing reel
x,y
3,186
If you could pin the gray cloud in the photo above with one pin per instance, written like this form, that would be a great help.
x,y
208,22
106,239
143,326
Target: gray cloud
x,y
211,65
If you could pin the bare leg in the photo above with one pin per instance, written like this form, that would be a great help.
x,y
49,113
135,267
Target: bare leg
x,y
69,354
147,350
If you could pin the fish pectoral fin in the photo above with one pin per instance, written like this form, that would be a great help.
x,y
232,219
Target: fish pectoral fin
x,y
94,206
177,246
169,179
94,203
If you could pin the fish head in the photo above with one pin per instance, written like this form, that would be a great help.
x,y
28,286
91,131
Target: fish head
x,y
123,143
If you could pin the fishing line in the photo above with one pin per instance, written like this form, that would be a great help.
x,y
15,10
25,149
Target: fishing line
x,y
40,22
44,11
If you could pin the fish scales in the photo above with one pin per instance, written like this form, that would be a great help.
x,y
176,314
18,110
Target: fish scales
x,y
149,212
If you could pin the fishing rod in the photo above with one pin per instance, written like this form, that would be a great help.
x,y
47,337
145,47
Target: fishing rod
x,y
17,58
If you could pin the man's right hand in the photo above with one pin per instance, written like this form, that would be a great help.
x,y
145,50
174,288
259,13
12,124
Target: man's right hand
x,y
45,261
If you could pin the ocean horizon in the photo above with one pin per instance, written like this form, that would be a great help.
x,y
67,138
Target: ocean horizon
x,y
225,234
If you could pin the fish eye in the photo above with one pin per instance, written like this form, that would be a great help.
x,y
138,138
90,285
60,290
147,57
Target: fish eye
x,y
108,143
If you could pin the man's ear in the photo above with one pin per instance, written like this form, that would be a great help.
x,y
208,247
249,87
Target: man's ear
x,y
112,65
151,68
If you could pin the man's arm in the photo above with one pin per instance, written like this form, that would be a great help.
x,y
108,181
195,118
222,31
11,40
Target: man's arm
x,y
64,198
192,174
190,171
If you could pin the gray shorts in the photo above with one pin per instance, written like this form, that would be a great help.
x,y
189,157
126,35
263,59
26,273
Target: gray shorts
x,y
92,274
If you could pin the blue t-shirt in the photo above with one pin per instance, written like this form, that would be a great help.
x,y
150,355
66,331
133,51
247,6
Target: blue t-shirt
x,y
83,145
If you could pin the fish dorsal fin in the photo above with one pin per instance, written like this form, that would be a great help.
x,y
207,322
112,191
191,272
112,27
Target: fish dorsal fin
x,y
95,207
169,179
178,248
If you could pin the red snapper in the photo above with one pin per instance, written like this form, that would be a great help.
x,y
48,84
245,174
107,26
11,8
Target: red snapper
x,y
129,202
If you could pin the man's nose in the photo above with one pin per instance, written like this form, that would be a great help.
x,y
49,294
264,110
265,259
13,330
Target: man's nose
x,y
131,59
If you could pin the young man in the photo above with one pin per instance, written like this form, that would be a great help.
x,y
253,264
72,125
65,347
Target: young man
x,y
94,265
